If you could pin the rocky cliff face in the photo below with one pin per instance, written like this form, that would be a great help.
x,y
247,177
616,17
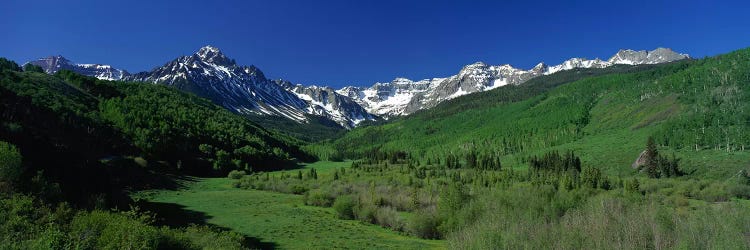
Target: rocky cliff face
x,y
325,102
659,55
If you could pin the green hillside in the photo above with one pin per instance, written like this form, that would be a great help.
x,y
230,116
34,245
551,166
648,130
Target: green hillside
x,y
695,108
316,129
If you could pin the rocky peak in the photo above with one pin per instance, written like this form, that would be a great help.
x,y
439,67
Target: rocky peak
x,y
213,55
659,55
541,67
473,68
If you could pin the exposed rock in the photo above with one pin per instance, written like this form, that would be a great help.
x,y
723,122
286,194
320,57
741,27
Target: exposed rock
x,y
640,161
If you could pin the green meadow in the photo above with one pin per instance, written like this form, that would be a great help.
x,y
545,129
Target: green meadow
x,y
277,220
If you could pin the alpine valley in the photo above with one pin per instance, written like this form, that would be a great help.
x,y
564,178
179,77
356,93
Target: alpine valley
x,y
598,136
648,149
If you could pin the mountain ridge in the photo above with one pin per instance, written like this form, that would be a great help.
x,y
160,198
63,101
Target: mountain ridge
x,y
406,96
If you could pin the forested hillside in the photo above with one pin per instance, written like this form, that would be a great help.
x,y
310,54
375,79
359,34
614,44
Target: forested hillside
x,y
69,142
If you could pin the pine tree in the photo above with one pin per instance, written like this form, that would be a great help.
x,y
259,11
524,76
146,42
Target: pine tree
x,y
633,186
652,159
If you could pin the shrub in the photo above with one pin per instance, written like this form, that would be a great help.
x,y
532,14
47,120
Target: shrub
x,y
389,217
344,206
26,223
424,224
10,163
298,189
632,186
103,230
740,191
236,174
366,213
318,198
20,217
714,193
128,234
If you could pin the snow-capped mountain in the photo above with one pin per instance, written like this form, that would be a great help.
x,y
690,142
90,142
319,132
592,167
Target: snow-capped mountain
x,y
244,89
52,64
324,101
403,96
388,98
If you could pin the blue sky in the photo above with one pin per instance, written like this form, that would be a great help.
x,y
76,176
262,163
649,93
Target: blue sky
x,y
341,43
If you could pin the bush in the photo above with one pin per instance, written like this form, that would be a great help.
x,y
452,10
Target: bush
x,y
21,217
236,174
298,189
714,193
366,213
740,191
27,223
104,230
344,206
389,217
632,186
128,234
424,224
318,198
10,163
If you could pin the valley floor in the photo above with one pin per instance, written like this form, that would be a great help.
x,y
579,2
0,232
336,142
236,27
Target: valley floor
x,y
273,220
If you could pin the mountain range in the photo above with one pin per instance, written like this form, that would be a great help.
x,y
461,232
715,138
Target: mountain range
x,y
403,96
246,90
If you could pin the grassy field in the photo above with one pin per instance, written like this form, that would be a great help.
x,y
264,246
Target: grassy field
x,y
324,167
273,220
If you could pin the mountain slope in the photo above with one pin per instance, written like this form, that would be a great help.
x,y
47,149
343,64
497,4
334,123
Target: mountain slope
x,y
246,90
686,106
403,96
325,102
